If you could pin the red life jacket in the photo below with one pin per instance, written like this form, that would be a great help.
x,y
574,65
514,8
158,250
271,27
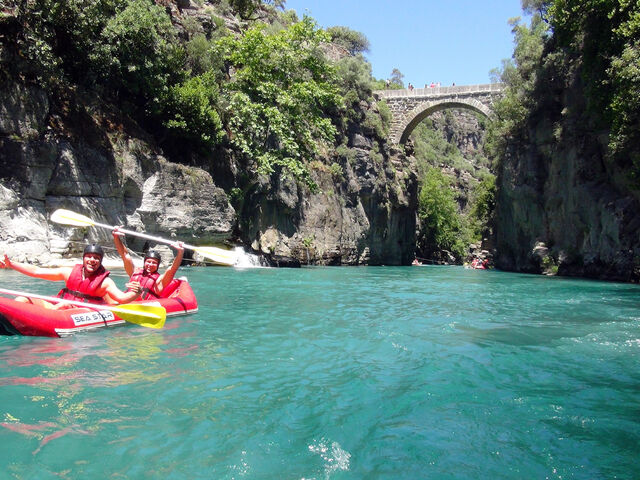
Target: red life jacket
x,y
147,282
171,287
82,289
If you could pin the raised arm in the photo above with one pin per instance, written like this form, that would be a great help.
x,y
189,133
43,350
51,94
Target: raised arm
x,y
122,250
166,277
54,274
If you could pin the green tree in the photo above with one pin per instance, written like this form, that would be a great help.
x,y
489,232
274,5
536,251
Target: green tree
x,y
281,96
396,79
354,79
483,205
203,56
593,41
57,37
246,8
433,148
190,110
138,54
532,7
521,76
354,42
602,36
625,107
440,224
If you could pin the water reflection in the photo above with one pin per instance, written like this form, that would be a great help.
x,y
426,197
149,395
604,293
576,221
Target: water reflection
x,y
70,381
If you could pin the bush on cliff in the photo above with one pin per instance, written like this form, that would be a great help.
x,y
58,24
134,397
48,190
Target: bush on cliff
x,y
594,40
190,112
281,96
269,92
354,42
57,38
441,227
521,76
482,207
137,54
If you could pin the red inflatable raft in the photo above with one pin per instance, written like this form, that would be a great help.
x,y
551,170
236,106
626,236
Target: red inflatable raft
x,y
17,318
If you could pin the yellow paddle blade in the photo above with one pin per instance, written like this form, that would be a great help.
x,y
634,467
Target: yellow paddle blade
x,y
218,255
67,217
152,316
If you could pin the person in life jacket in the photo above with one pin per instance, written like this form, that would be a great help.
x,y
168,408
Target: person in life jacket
x,y
152,281
85,282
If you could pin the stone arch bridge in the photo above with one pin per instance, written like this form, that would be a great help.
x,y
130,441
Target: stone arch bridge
x,y
410,107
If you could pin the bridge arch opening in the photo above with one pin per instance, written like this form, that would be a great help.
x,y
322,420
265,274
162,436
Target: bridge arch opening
x,y
426,109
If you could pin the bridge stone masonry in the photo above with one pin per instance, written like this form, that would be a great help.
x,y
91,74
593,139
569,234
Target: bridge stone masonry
x,y
410,107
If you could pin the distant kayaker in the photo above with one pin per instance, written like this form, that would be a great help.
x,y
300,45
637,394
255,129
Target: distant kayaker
x,y
152,282
85,282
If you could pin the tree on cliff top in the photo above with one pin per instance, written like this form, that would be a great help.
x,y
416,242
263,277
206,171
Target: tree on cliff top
x,y
598,39
280,97
246,8
353,41
270,89
397,79
137,53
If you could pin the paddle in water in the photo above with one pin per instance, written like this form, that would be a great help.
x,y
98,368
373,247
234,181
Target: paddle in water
x,y
151,316
215,254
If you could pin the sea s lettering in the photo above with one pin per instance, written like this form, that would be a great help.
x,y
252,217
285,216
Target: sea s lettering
x,y
92,317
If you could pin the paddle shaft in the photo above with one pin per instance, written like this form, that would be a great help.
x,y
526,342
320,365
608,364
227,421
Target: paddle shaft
x,y
67,217
145,236
141,235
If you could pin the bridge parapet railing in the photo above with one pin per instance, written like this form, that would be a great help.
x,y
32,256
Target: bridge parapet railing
x,y
440,91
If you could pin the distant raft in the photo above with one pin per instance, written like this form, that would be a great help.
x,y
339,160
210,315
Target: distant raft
x,y
18,318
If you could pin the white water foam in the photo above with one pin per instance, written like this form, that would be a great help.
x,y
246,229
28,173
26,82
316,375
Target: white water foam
x,y
335,458
245,259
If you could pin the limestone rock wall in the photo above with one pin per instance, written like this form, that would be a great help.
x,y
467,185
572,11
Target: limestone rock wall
x,y
362,215
107,174
562,206
95,163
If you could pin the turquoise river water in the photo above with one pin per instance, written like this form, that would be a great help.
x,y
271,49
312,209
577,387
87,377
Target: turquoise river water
x,y
337,373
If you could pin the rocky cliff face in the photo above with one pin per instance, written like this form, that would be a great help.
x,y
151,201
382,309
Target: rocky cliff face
x,y
562,206
363,213
78,155
462,130
83,161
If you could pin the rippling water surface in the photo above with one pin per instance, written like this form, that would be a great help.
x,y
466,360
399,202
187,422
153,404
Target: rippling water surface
x,y
336,373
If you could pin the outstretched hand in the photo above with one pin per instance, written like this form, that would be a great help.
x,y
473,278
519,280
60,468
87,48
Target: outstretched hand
x,y
178,246
116,231
5,263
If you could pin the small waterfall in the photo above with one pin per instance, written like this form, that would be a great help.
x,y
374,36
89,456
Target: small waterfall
x,y
245,259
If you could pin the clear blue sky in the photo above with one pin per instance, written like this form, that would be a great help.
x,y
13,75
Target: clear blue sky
x,y
427,40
